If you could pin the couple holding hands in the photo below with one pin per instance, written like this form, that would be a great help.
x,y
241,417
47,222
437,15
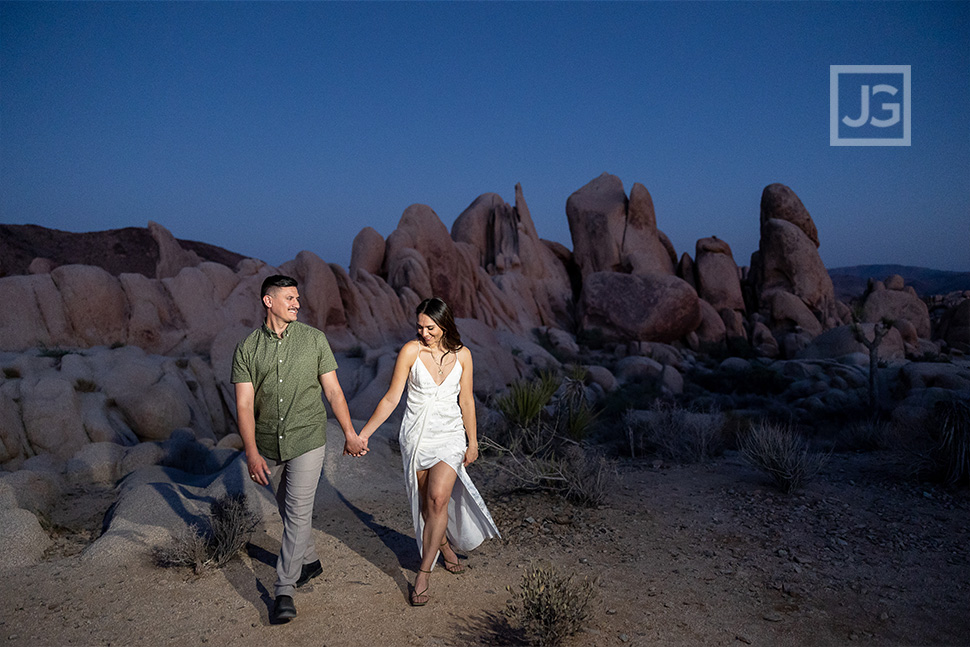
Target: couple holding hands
x,y
279,371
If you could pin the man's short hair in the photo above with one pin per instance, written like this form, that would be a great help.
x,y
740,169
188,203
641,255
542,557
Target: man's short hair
x,y
276,281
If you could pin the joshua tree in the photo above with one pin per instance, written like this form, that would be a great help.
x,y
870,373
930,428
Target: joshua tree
x,y
878,332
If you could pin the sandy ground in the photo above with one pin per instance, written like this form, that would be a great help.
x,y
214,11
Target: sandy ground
x,y
683,555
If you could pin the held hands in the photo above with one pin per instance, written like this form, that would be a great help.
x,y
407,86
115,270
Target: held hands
x,y
355,446
471,455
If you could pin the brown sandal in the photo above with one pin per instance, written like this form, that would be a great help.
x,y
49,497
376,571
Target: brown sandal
x,y
415,598
455,568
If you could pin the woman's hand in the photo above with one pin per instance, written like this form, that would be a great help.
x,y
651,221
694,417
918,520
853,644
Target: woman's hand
x,y
471,455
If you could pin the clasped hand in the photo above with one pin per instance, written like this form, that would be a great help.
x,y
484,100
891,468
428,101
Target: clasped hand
x,y
355,447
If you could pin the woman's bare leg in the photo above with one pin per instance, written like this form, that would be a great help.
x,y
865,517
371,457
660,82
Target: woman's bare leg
x,y
434,487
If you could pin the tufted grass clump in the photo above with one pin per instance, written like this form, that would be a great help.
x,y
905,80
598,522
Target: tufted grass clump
x,y
944,454
781,453
212,544
550,606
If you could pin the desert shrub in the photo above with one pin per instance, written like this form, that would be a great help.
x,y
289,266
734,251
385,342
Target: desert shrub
x,y
550,606
944,455
676,434
866,434
781,453
558,464
213,544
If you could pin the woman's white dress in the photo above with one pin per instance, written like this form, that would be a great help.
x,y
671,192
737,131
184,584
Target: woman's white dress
x,y
432,430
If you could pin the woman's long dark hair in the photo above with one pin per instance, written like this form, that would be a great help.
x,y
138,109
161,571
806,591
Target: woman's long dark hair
x,y
439,312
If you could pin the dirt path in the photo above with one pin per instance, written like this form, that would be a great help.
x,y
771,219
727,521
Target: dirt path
x,y
703,554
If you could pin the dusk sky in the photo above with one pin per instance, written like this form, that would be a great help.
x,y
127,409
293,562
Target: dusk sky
x,y
269,128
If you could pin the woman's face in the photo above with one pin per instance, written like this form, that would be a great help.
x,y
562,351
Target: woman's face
x,y
428,331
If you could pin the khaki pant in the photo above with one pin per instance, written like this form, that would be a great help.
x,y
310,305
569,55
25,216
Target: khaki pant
x,y
295,483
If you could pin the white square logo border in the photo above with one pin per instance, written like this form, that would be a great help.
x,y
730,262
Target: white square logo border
x,y
835,71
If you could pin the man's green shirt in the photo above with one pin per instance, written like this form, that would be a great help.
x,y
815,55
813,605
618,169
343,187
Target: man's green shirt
x,y
284,371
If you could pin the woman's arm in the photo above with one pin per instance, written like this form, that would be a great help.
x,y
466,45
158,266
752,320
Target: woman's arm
x,y
466,400
393,396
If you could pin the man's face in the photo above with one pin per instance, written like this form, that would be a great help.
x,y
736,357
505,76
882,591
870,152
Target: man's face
x,y
283,303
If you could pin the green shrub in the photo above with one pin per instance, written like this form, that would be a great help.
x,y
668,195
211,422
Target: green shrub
x,y
783,455
550,606
213,544
525,400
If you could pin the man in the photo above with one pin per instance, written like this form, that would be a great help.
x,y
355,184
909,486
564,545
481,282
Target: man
x,y
279,371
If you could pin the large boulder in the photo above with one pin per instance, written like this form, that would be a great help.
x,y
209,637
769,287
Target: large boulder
x,y
23,538
367,252
95,304
778,202
52,417
718,279
612,233
897,304
645,307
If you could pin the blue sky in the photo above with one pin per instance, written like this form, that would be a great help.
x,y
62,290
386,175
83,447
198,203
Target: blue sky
x,y
268,128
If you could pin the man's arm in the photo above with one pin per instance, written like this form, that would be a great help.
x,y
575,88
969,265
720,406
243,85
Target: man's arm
x,y
353,445
246,418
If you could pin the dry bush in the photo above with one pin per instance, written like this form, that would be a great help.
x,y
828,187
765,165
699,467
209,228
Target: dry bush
x,y
675,434
550,606
781,453
558,465
944,455
211,546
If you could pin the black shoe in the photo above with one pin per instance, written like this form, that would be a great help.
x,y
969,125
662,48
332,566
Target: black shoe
x,y
308,572
284,610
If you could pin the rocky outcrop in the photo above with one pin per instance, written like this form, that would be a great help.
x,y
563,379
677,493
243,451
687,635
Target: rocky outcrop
x,y
612,233
531,278
892,300
787,259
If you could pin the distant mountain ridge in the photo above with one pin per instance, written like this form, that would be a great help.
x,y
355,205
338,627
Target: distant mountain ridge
x,y
851,281
131,249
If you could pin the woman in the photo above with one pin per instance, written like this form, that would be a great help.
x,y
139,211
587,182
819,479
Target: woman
x,y
447,510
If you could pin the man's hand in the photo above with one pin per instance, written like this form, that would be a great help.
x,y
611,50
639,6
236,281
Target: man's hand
x,y
258,469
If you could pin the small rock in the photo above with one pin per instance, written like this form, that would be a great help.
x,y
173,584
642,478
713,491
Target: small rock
x,y
773,616
530,520
624,638
611,612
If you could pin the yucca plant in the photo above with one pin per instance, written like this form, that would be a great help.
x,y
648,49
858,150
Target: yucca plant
x,y
783,455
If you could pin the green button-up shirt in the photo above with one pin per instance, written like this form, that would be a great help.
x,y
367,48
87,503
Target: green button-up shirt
x,y
285,373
